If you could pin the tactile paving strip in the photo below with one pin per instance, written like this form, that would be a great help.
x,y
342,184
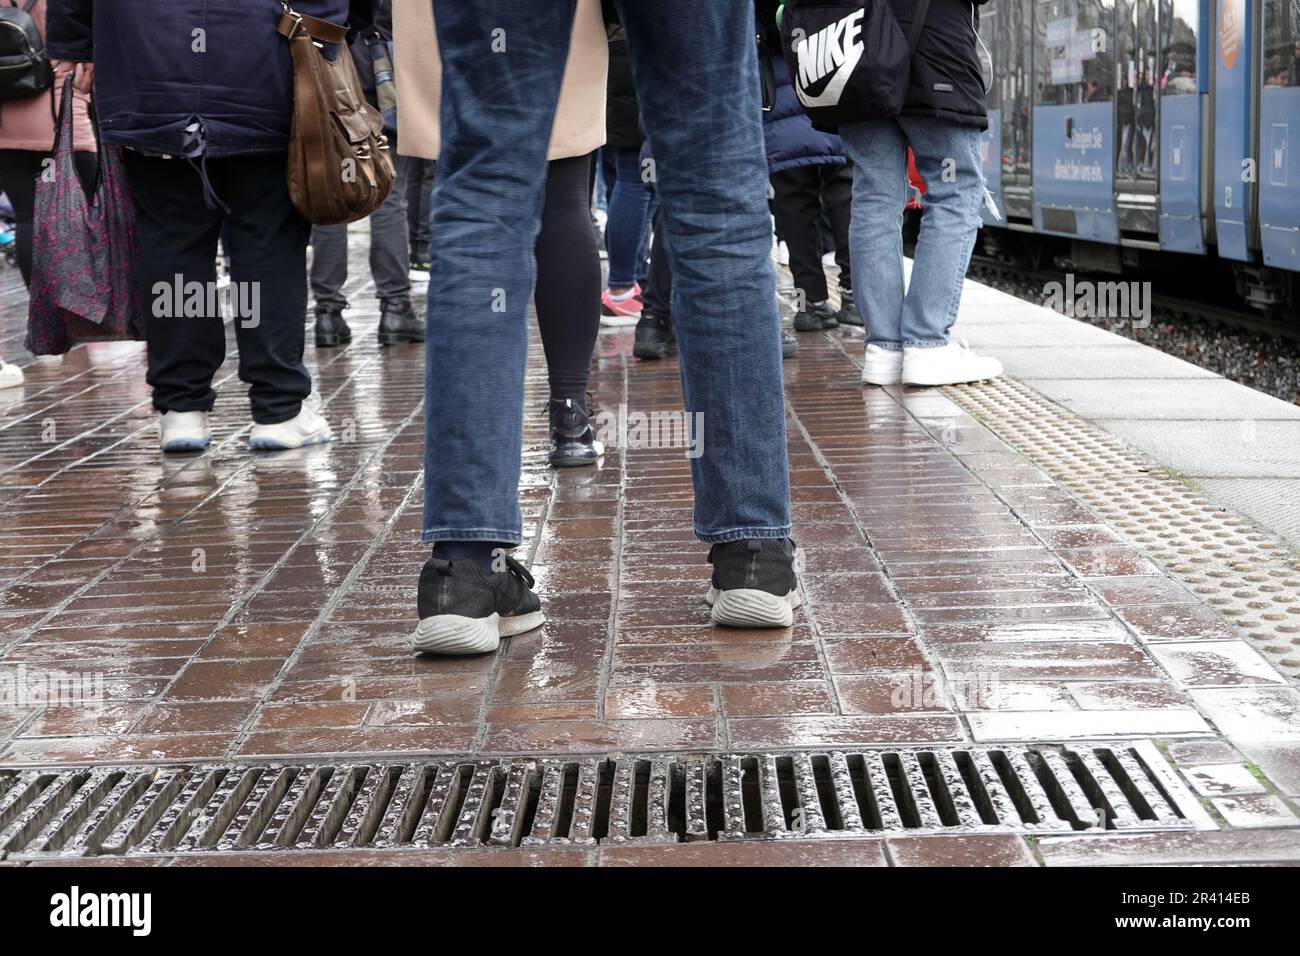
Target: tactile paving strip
x,y
629,799
1250,579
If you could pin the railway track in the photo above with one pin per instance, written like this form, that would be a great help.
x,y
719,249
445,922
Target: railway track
x,y
1235,341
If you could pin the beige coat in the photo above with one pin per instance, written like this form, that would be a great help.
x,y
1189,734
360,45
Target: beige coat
x,y
579,118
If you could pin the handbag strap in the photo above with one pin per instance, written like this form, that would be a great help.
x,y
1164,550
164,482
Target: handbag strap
x,y
314,27
918,21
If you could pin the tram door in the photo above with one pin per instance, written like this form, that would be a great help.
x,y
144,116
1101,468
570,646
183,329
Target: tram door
x,y
1137,126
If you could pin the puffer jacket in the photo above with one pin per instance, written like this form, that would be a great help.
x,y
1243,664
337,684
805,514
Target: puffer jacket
x,y
162,65
787,132
947,81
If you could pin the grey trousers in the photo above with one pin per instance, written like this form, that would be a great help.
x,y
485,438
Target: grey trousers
x,y
390,256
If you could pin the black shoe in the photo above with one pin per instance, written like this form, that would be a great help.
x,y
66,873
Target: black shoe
x,y
754,583
331,329
654,337
399,323
816,317
789,344
573,442
462,611
849,313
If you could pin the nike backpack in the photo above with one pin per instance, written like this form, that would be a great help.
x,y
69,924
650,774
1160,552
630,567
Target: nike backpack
x,y
848,61
24,65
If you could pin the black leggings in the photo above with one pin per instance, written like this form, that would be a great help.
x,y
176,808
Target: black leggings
x,y
567,296
19,170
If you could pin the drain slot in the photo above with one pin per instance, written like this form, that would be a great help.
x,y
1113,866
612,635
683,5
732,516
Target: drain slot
x,y
654,798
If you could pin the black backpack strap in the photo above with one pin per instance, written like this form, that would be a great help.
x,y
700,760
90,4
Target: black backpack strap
x,y
27,7
918,21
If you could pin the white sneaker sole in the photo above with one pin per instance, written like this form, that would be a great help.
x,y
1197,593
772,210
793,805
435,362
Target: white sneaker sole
x,y
186,444
619,321
750,607
882,378
455,634
521,623
275,444
932,381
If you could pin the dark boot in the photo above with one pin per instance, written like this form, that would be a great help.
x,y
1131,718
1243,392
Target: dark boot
x,y
399,323
654,337
331,329
573,441
849,313
816,317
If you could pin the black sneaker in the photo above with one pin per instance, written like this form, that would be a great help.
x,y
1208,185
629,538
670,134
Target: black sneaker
x,y
754,583
815,318
654,337
573,442
462,611
331,329
789,344
400,324
849,313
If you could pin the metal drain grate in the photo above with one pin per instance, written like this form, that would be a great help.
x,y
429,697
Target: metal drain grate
x,y
175,810
1244,575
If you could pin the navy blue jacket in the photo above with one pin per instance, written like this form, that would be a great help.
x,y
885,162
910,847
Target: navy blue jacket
x,y
156,73
787,132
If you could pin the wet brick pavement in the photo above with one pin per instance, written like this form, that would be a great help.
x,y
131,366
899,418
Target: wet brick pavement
x,y
233,605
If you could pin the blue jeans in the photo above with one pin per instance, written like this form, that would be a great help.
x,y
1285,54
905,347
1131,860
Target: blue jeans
x,y
695,66
948,159
629,212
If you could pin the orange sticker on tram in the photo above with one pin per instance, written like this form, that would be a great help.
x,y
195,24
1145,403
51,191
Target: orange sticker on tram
x,y
1231,19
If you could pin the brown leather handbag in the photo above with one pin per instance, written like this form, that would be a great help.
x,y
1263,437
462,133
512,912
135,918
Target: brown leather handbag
x,y
340,166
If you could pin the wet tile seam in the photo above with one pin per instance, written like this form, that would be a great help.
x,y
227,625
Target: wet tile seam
x,y
1134,639
339,593
130,508
213,495
936,669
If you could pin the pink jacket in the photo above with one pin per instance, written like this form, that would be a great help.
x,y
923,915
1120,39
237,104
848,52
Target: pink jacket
x,y
28,123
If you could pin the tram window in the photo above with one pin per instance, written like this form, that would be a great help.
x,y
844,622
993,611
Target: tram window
x,y
1178,42
1281,43
1076,65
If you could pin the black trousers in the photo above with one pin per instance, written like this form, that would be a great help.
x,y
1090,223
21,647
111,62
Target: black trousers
x,y
266,240
802,193
567,295
658,294
417,180
19,170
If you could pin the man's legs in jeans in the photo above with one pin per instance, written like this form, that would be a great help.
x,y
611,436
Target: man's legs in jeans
x,y
695,65
879,154
484,224
948,159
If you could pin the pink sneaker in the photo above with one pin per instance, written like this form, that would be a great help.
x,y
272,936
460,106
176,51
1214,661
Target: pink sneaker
x,y
621,312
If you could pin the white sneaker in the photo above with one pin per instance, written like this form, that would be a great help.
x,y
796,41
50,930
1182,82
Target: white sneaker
x,y
882,366
185,431
949,364
308,427
11,376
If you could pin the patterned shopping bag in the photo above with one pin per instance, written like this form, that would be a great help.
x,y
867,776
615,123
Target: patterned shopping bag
x,y
83,252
